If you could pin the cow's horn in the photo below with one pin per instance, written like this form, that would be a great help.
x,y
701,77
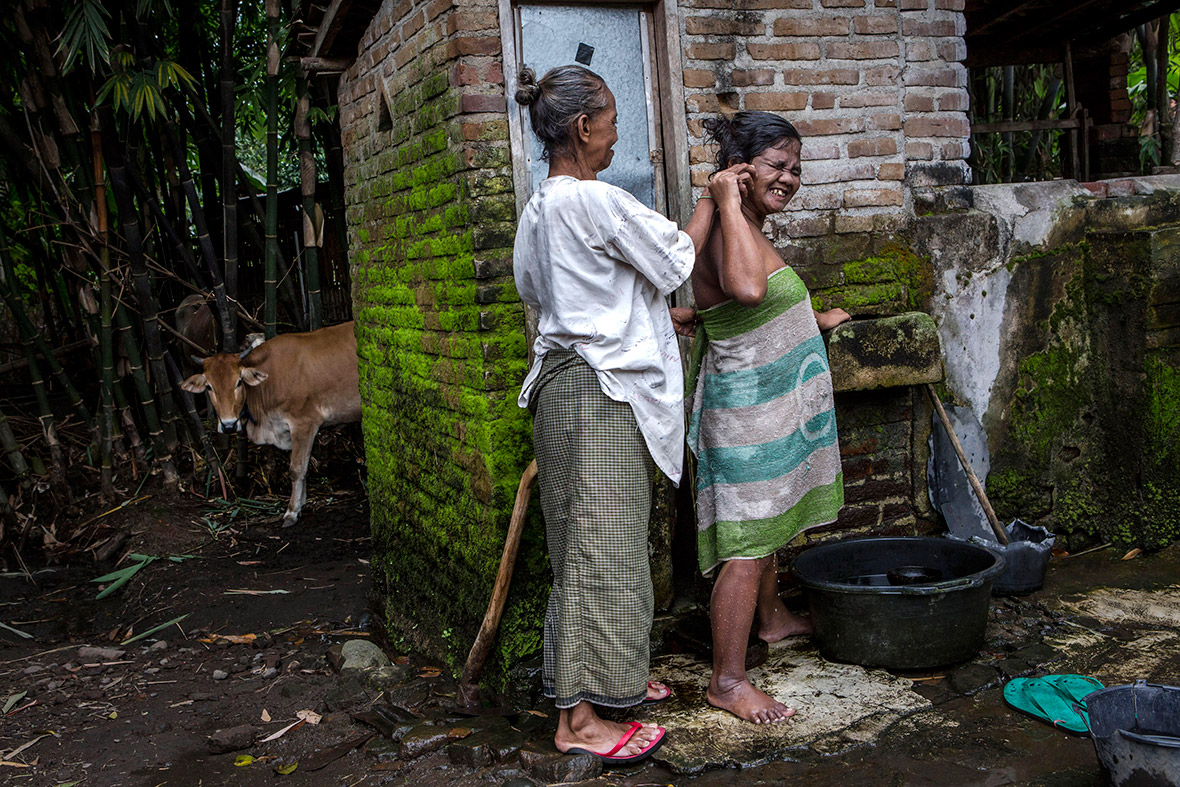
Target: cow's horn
x,y
198,360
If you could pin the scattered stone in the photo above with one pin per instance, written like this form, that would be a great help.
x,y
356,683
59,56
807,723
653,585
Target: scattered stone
x,y
231,739
151,671
163,727
1039,653
550,766
202,696
423,739
519,783
158,645
485,747
382,749
1015,668
269,672
88,654
220,674
33,669
973,678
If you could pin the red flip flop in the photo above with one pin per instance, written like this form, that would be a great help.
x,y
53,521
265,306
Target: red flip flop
x,y
609,758
667,695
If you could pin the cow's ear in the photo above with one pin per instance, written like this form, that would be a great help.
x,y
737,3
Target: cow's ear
x,y
252,375
195,384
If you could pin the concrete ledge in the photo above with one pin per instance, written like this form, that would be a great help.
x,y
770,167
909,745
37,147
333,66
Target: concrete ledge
x,y
885,352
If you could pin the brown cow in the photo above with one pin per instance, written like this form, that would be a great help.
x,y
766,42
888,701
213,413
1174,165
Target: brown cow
x,y
284,390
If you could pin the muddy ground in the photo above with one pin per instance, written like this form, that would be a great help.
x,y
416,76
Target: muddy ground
x,y
84,706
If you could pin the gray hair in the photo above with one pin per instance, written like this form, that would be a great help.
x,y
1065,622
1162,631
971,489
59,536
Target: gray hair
x,y
557,100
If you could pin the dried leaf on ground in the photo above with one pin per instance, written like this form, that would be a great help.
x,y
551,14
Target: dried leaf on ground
x,y
265,715
276,735
12,700
309,716
1134,553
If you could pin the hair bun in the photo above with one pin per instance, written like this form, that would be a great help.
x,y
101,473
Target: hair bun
x,y
527,90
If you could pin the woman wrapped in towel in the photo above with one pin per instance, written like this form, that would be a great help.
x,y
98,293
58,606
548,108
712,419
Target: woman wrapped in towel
x,y
763,423
607,395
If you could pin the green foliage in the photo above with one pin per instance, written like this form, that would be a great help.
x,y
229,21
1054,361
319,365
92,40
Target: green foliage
x,y
1037,94
134,90
86,36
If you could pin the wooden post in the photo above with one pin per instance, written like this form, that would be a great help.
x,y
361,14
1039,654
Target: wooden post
x,y
1071,103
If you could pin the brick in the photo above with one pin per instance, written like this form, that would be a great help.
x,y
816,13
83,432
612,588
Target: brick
x,y
863,99
818,151
891,171
919,51
472,45
885,3
808,228
823,100
835,76
950,5
882,76
464,74
832,173
883,122
717,26
918,27
955,101
827,127
874,25
700,178
494,73
946,126
488,130
913,5
915,102
815,198
776,102
698,78
872,198
748,5
919,151
436,7
472,21
876,146
748,77
699,51
804,50
952,50
958,149
702,102
830,26
700,154
844,224
862,50
948,76
843,3
482,103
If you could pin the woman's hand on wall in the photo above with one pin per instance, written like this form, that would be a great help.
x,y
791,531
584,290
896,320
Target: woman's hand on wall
x,y
831,318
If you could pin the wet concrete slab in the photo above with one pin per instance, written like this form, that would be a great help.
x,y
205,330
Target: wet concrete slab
x,y
837,707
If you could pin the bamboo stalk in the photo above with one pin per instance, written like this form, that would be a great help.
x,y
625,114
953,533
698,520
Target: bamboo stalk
x,y
229,162
195,427
129,221
106,407
147,401
16,459
270,311
307,179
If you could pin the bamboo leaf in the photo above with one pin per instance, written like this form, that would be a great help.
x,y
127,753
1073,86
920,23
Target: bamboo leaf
x,y
12,700
18,632
151,631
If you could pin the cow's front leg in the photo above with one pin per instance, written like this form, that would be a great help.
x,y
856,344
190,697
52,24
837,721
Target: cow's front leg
x,y
302,439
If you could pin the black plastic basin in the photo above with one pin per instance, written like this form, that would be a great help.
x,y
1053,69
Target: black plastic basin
x,y
861,616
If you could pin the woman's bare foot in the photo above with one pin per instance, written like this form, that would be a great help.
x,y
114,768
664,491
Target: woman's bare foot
x,y
588,731
748,703
783,624
656,690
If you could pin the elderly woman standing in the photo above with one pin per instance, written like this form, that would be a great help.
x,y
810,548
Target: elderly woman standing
x,y
606,393
763,421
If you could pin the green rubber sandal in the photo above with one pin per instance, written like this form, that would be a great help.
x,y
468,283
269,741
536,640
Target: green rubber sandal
x,y
1040,699
1075,687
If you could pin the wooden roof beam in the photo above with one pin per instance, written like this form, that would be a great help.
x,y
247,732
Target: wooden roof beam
x,y
329,26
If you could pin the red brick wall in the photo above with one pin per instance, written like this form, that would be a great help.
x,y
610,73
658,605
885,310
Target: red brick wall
x,y
876,88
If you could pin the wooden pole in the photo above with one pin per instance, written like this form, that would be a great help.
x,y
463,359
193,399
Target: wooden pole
x,y
966,463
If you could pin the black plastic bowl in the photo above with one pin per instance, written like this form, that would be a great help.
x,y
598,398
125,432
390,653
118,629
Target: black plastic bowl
x,y
861,617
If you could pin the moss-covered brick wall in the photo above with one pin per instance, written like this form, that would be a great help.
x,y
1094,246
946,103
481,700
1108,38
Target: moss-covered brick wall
x,y
1090,446
440,330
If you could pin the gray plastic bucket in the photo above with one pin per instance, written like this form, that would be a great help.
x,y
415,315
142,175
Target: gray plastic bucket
x,y
1136,731
1026,556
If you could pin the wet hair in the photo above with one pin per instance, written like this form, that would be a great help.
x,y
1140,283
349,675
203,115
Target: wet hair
x,y
557,100
747,134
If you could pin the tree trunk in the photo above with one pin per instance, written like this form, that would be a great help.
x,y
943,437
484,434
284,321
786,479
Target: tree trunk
x,y
146,400
272,164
